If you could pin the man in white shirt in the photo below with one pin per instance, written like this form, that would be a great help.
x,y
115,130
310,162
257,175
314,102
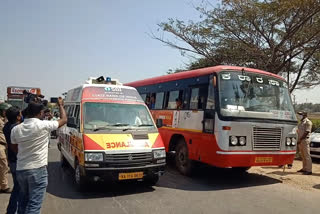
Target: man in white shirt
x,y
32,138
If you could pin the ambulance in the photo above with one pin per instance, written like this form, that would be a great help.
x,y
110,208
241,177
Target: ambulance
x,y
110,134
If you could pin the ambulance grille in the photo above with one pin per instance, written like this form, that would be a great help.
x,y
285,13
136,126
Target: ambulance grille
x,y
266,138
140,136
128,159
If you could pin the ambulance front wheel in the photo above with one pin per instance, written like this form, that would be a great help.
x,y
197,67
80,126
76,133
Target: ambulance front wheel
x,y
80,180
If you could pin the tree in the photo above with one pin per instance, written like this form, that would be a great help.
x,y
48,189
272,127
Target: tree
x,y
279,36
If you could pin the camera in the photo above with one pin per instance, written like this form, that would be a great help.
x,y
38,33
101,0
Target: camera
x,y
29,97
33,98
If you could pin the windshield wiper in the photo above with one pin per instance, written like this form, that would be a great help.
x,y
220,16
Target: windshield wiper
x,y
120,124
126,129
145,125
100,128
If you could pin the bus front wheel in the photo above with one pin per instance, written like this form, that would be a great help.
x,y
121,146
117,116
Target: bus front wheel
x,y
183,163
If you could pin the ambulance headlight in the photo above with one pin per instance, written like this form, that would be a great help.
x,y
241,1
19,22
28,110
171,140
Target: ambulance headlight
x,y
160,153
233,140
93,157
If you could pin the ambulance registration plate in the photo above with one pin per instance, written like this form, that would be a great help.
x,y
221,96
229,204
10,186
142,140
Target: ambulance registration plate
x,y
263,160
130,175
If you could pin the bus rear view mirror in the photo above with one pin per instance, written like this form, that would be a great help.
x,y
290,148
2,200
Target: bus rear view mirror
x,y
159,123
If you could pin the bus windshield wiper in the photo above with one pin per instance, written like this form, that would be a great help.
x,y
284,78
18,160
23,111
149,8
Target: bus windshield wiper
x,y
145,125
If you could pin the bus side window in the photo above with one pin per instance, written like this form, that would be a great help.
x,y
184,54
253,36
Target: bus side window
x,y
194,98
203,93
159,100
173,95
198,97
143,96
211,97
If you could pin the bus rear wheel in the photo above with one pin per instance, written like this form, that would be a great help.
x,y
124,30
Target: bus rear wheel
x,y
183,163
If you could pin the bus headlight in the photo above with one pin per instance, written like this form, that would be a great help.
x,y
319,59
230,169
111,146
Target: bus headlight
x,y
233,140
242,141
288,141
93,157
293,141
160,153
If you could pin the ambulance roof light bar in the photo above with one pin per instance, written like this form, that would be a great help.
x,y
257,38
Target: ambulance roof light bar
x,y
102,80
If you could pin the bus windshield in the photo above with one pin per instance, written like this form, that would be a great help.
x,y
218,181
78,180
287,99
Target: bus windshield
x,y
115,116
251,95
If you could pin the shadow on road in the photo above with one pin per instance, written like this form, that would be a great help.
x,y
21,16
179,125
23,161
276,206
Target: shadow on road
x,y
207,178
317,186
281,173
61,184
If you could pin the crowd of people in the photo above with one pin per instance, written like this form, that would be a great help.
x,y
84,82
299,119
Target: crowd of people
x,y
24,141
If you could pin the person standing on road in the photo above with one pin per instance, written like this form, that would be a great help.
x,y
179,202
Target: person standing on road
x,y
4,186
14,117
304,130
32,138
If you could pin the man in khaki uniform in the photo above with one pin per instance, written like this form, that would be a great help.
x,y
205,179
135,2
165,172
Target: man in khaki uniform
x,y
304,130
4,187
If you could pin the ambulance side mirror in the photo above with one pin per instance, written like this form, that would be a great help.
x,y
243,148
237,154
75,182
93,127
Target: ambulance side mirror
x,y
159,123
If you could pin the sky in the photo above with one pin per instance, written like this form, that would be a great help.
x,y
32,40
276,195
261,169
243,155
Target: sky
x,y
56,45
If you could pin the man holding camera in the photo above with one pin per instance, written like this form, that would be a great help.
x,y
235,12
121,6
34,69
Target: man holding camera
x,y
32,138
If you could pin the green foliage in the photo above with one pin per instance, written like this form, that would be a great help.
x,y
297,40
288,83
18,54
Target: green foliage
x,y
308,107
279,36
315,124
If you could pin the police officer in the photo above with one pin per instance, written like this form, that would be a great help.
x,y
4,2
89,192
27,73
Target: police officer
x,y
4,187
304,130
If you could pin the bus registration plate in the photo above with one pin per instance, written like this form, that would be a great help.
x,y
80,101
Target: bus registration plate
x,y
263,160
131,175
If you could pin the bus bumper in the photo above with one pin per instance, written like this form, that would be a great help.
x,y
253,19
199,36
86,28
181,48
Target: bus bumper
x,y
248,159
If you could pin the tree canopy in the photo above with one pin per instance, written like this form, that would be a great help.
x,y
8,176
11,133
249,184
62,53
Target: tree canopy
x,y
279,36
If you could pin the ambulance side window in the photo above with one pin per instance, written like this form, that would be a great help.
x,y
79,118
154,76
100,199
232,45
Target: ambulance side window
x,y
77,114
70,111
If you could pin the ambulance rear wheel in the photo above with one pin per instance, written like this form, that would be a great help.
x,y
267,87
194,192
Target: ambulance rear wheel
x,y
80,180
183,163
151,180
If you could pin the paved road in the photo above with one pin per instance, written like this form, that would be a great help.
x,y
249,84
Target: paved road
x,y
210,191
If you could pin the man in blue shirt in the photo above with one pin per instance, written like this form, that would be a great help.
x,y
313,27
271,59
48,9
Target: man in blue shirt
x,y
14,117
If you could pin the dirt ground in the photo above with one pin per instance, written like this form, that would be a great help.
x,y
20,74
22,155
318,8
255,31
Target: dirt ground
x,y
292,177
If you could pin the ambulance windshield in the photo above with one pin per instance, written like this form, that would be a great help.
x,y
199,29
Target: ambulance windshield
x,y
115,116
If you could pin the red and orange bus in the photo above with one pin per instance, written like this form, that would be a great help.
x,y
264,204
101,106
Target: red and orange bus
x,y
224,116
